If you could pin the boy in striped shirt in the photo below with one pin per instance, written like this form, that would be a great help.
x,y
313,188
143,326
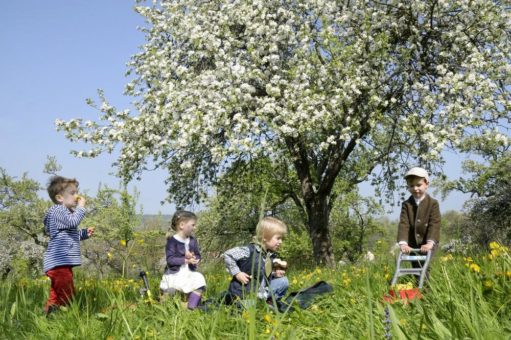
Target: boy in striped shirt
x,y
63,253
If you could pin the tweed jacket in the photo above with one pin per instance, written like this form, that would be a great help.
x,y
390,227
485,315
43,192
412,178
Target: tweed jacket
x,y
418,224
61,225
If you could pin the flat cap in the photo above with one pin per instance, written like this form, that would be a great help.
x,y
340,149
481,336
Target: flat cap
x,y
417,172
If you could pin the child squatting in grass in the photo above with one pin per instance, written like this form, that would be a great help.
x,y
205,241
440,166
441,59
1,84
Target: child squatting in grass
x,y
252,267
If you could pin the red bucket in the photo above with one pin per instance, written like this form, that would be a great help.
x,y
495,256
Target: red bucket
x,y
403,295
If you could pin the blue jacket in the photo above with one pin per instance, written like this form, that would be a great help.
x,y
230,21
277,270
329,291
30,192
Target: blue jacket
x,y
61,225
175,252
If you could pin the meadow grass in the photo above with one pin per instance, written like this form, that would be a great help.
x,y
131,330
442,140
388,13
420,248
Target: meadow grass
x,y
466,298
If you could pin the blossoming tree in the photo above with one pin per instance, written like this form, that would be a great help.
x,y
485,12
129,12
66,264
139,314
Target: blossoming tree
x,y
335,89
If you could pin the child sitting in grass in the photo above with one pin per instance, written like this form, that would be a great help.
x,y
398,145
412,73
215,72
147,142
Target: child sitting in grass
x,y
252,266
183,255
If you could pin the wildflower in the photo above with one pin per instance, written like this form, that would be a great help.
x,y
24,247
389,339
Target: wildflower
x,y
122,243
488,284
404,286
267,318
475,268
494,245
295,281
447,258
245,316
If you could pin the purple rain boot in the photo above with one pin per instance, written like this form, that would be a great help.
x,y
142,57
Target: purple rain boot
x,y
193,300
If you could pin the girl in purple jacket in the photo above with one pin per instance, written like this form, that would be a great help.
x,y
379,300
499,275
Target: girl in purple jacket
x,y
183,255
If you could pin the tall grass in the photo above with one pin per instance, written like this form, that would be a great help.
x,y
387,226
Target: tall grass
x,y
461,301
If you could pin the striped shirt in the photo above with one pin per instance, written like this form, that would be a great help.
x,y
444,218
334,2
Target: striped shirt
x,y
61,225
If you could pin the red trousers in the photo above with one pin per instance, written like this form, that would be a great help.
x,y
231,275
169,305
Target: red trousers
x,y
62,287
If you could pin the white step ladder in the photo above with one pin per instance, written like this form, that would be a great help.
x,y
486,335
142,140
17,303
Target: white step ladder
x,y
421,272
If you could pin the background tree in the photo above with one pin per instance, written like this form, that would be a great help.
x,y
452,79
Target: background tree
x,y
21,227
113,213
333,90
489,209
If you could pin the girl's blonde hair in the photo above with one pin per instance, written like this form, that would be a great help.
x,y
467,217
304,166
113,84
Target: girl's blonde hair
x,y
179,216
268,227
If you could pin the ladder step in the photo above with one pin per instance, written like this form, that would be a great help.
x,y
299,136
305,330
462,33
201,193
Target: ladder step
x,y
410,271
404,274
413,258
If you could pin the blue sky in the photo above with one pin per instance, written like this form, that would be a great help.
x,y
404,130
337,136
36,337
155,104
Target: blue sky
x,y
57,53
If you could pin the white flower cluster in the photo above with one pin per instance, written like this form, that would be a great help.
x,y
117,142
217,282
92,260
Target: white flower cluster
x,y
218,81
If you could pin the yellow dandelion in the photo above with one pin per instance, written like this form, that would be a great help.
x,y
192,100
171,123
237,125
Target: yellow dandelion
x,y
122,243
267,318
446,258
267,330
245,315
488,283
295,281
468,259
475,268
494,245
404,286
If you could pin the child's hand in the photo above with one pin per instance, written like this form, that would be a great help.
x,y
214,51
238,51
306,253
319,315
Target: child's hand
x,y
280,273
80,200
90,231
193,260
189,255
243,277
405,248
426,247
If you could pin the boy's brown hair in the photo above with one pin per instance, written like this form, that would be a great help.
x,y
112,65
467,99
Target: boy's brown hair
x,y
57,185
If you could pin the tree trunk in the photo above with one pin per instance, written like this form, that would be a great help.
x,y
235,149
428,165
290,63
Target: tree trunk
x,y
318,211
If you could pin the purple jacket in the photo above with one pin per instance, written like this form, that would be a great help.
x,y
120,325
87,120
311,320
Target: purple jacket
x,y
175,251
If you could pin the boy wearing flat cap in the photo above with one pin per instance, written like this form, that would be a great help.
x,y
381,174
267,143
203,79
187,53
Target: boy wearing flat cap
x,y
419,223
